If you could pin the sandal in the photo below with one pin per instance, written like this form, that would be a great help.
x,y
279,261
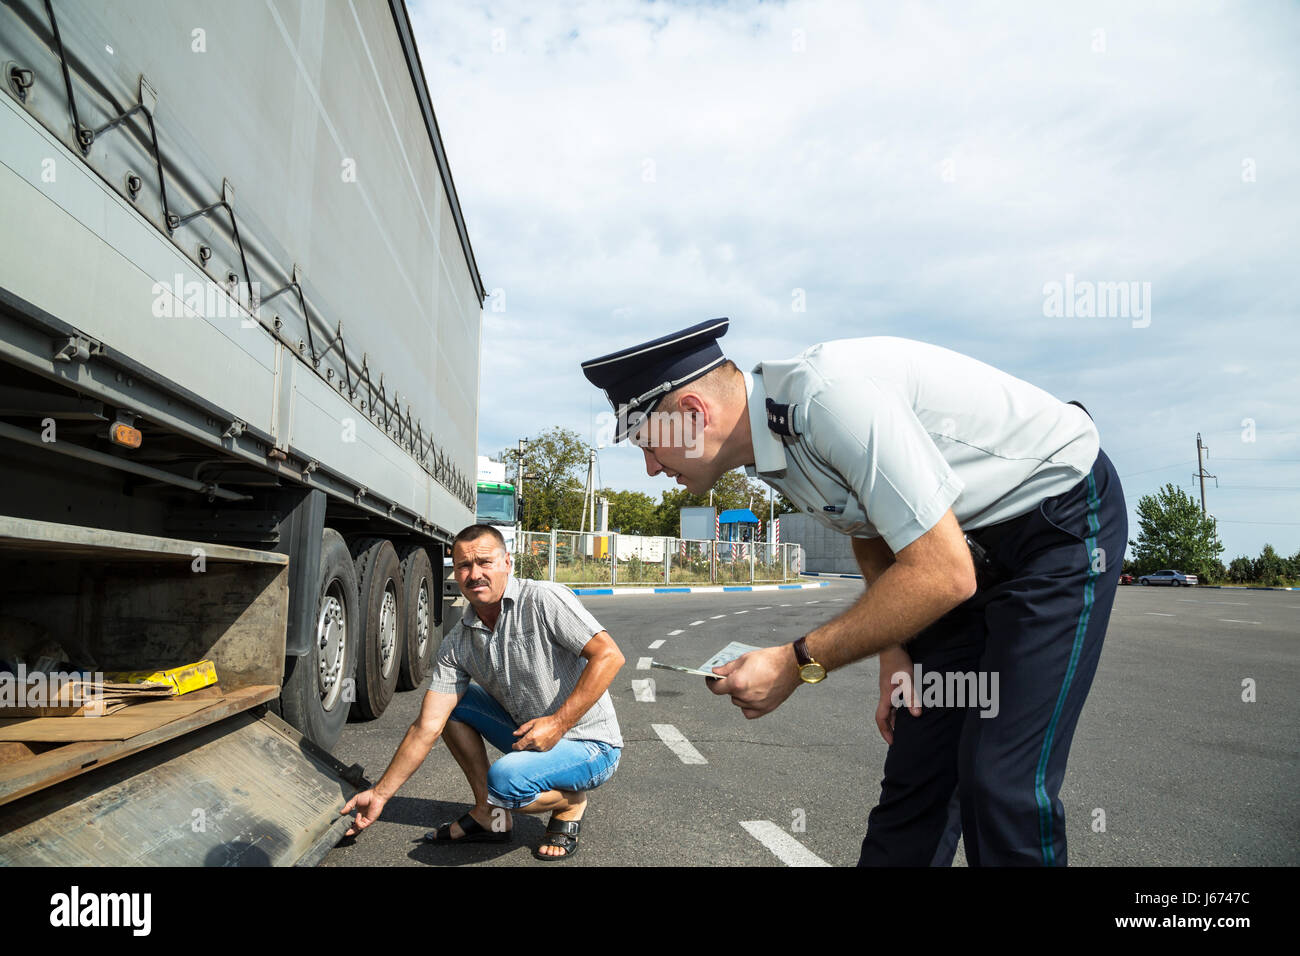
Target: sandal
x,y
561,833
473,830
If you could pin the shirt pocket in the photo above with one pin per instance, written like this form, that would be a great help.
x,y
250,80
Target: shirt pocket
x,y
851,518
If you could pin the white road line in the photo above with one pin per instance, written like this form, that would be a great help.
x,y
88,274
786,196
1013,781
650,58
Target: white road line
x,y
1229,603
716,616
1228,620
1157,614
655,645
643,664
693,623
787,605
674,633
765,607
812,602
644,690
787,849
739,612
678,744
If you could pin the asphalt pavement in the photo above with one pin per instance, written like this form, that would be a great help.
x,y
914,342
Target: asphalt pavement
x,y
1170,765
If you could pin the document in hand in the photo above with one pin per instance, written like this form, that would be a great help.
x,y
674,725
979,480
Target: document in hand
x,y
728,653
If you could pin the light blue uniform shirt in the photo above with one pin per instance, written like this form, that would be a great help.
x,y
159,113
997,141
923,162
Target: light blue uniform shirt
x,y
890,433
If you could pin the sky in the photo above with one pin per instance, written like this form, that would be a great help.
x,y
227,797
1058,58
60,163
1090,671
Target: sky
x,y
942,172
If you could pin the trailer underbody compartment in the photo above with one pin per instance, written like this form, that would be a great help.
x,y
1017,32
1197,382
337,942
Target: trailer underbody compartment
x,y
227,783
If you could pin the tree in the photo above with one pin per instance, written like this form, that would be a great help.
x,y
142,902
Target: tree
x,y
784,506
1241,570
1173,533
631,512
1269,568
553,499
733,490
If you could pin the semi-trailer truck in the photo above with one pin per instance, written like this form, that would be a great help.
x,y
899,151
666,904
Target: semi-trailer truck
x,y
239,357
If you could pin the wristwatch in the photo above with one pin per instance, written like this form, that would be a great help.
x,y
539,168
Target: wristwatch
x,y
810,672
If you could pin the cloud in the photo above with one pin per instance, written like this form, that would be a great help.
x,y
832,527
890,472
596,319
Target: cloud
x,y
628,169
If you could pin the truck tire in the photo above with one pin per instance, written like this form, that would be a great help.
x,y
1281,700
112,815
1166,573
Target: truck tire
x,y
315,697
420,635
383,611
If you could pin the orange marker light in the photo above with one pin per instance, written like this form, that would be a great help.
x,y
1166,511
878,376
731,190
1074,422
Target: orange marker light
x,y
124,435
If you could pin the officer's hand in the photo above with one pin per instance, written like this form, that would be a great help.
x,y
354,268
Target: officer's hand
x,y
895,690
540,733
758,682
368,805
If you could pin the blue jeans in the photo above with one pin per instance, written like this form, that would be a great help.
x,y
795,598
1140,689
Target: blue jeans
x,y
517,778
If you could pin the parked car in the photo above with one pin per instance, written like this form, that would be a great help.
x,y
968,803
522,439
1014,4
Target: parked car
x,y
1126,578
1172,578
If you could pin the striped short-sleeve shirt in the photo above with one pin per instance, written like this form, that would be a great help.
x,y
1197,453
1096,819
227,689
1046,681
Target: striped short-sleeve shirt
x,y
531,661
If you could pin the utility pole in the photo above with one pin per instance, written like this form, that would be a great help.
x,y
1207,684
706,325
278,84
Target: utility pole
x,y
589,497
1201,473
519,484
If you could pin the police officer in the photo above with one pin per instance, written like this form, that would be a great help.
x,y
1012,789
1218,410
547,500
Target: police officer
x,y
989,527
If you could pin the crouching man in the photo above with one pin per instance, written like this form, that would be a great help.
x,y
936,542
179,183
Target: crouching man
x,y
541,667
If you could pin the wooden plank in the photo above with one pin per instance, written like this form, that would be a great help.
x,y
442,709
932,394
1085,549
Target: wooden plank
x,y
27,776
63,710
11,752
123,725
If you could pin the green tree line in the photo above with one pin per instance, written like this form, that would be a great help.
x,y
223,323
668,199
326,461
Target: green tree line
x,y
1172,531
552,499
1174,534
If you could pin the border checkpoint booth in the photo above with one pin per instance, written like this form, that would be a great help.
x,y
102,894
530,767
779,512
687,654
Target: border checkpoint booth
x,y
737,529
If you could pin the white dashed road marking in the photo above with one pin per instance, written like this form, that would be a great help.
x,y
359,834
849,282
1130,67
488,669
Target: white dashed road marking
x,y
693,623
766,607
716,616
655,645
674,633
1228,620
787,849
1157,614
643,664
644,690
678,744
740,612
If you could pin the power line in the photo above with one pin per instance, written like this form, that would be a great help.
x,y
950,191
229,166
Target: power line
x,y
1177,464
1288,524
1290,488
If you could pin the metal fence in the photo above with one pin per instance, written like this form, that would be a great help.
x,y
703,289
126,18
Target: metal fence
x,y
577,557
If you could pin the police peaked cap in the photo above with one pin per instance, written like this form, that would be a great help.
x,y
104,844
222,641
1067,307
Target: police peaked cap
x,y
635,379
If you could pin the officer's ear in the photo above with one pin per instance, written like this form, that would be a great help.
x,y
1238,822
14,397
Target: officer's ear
x,y
692,405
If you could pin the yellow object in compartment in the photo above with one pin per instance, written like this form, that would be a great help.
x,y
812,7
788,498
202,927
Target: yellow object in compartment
x,y
183,679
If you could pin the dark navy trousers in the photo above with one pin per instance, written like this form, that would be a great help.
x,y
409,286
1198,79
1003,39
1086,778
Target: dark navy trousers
x,y
994,781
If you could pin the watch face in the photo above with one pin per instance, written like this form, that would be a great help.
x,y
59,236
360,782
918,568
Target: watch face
x,y
812,673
